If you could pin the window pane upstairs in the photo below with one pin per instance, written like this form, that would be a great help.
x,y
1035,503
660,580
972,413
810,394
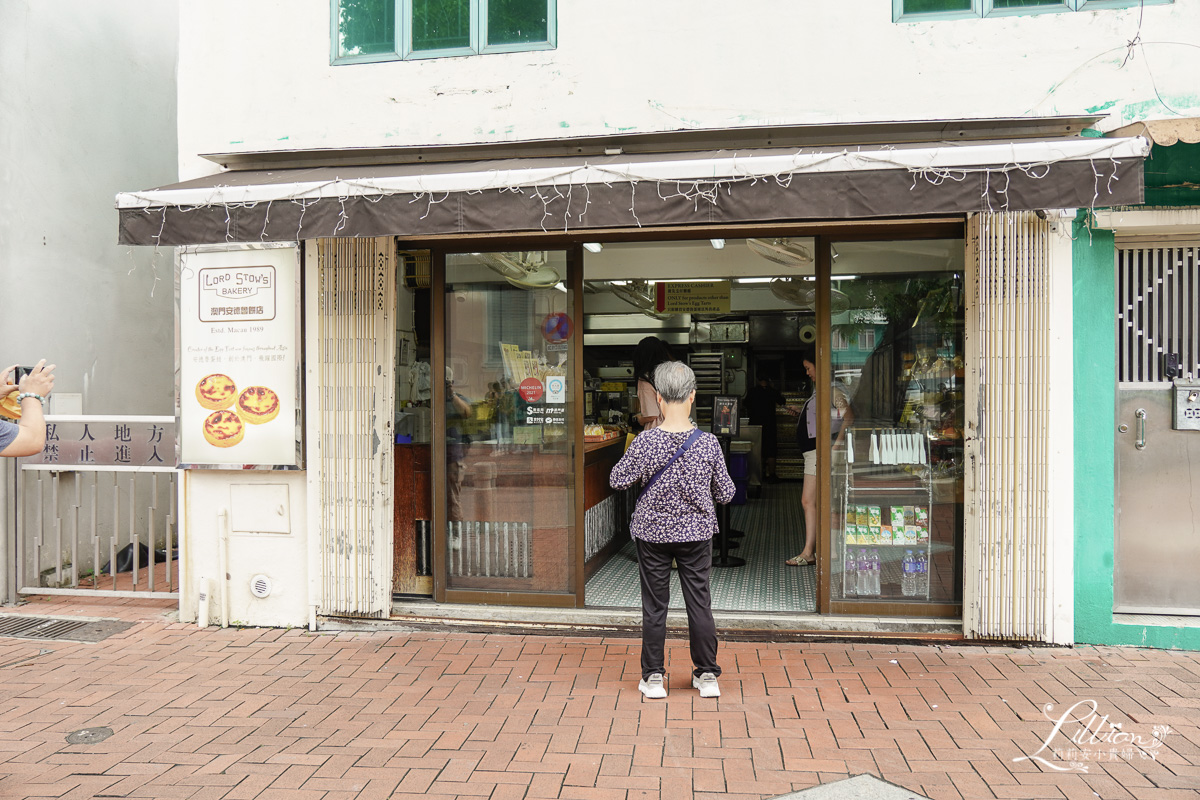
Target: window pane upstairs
x,y
517,22
366,27
935,6
441,24
1013,4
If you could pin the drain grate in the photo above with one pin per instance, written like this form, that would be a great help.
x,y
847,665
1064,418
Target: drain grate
x,y
63,629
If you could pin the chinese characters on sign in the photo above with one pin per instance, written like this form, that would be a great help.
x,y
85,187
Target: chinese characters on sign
x,y
692,297
237,293
108,443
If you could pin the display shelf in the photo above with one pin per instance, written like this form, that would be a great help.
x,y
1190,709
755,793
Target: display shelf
x,y
789,463
886,506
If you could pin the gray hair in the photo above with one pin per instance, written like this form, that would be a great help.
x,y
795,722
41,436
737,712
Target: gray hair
x,y
674,380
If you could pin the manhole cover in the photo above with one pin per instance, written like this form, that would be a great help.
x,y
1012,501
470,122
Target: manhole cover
x,y
75,630
89,735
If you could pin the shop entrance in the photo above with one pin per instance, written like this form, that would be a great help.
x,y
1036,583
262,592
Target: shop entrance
x,y
522,389
744,314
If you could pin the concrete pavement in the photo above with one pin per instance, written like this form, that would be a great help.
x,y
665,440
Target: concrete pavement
x,y
166,710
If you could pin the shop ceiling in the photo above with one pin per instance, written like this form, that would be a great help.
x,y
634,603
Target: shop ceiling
x,y
622,190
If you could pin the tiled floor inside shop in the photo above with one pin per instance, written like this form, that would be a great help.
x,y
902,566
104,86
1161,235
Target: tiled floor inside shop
x,y
772,525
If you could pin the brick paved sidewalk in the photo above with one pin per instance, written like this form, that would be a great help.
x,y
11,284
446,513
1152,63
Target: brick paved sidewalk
x,y
262,713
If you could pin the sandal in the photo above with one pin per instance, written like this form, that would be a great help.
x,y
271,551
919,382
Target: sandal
x,y
799,561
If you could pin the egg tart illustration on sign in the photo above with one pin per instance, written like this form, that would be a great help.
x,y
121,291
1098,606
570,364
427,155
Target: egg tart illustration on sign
x,y
216,392
226,427
258,404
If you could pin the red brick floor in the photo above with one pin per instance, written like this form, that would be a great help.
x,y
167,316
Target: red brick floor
x,y
265,713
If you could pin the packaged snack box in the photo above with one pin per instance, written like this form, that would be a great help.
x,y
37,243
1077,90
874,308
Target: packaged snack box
x,y
922,520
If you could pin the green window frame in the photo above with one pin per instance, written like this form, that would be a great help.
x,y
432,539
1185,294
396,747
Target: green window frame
x,y
927,10
371,31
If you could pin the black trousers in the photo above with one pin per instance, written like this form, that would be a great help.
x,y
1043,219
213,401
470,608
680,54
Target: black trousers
x,y
694,560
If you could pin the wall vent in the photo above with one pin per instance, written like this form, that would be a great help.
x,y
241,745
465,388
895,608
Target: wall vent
x,y
260,586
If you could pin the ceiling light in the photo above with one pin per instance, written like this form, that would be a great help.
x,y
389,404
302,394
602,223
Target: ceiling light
x,y
593,247
718,244
755,280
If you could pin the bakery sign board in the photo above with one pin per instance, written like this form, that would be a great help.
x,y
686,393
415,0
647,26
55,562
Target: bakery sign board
x,y
239,343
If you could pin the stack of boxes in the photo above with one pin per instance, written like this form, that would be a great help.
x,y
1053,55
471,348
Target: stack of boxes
x,y
906,525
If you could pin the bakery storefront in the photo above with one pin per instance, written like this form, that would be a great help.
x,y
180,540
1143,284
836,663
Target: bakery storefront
x,y
433,368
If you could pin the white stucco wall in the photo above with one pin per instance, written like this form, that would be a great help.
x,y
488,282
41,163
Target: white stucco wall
x,y
255,74
211,499
87,109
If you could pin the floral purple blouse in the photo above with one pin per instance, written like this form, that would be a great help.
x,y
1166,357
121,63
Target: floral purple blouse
x,y
679,506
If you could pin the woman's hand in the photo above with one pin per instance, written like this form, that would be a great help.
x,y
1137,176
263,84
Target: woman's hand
x,y
40,379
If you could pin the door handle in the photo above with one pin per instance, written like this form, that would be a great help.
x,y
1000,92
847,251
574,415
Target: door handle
x,y
1140,444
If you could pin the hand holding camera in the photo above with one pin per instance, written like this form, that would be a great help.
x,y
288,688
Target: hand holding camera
x,y
38,379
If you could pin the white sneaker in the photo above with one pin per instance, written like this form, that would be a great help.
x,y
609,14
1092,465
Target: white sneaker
x,y
654,687
706,682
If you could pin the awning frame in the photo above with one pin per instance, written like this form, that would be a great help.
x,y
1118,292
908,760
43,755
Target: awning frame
x,y
566,195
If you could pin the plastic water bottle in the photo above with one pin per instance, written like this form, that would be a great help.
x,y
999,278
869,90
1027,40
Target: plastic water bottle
x,y
850,575
864,573
906,575
875,567
921,585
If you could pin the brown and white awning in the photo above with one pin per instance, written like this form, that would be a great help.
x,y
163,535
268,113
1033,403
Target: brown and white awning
x,y
572,194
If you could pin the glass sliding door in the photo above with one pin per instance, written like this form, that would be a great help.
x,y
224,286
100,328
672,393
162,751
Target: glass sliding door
x,y
896,364
510,396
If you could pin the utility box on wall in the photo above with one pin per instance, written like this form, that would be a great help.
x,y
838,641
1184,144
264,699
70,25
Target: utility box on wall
x,y
247,540
1187,405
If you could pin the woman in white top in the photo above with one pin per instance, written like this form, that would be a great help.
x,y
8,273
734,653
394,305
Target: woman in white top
x,y
842,414
651,351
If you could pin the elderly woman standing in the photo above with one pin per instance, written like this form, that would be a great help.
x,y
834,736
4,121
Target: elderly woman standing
x,y
681,471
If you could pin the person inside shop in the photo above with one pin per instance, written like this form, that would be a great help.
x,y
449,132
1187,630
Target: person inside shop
x,y
458,411
841,415
761,403
27,437
647,356
682,472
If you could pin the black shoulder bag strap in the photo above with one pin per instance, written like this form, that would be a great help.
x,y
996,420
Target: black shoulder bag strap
x,y
695,434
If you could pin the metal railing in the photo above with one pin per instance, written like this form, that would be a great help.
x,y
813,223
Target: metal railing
x,y
93,528
97,531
